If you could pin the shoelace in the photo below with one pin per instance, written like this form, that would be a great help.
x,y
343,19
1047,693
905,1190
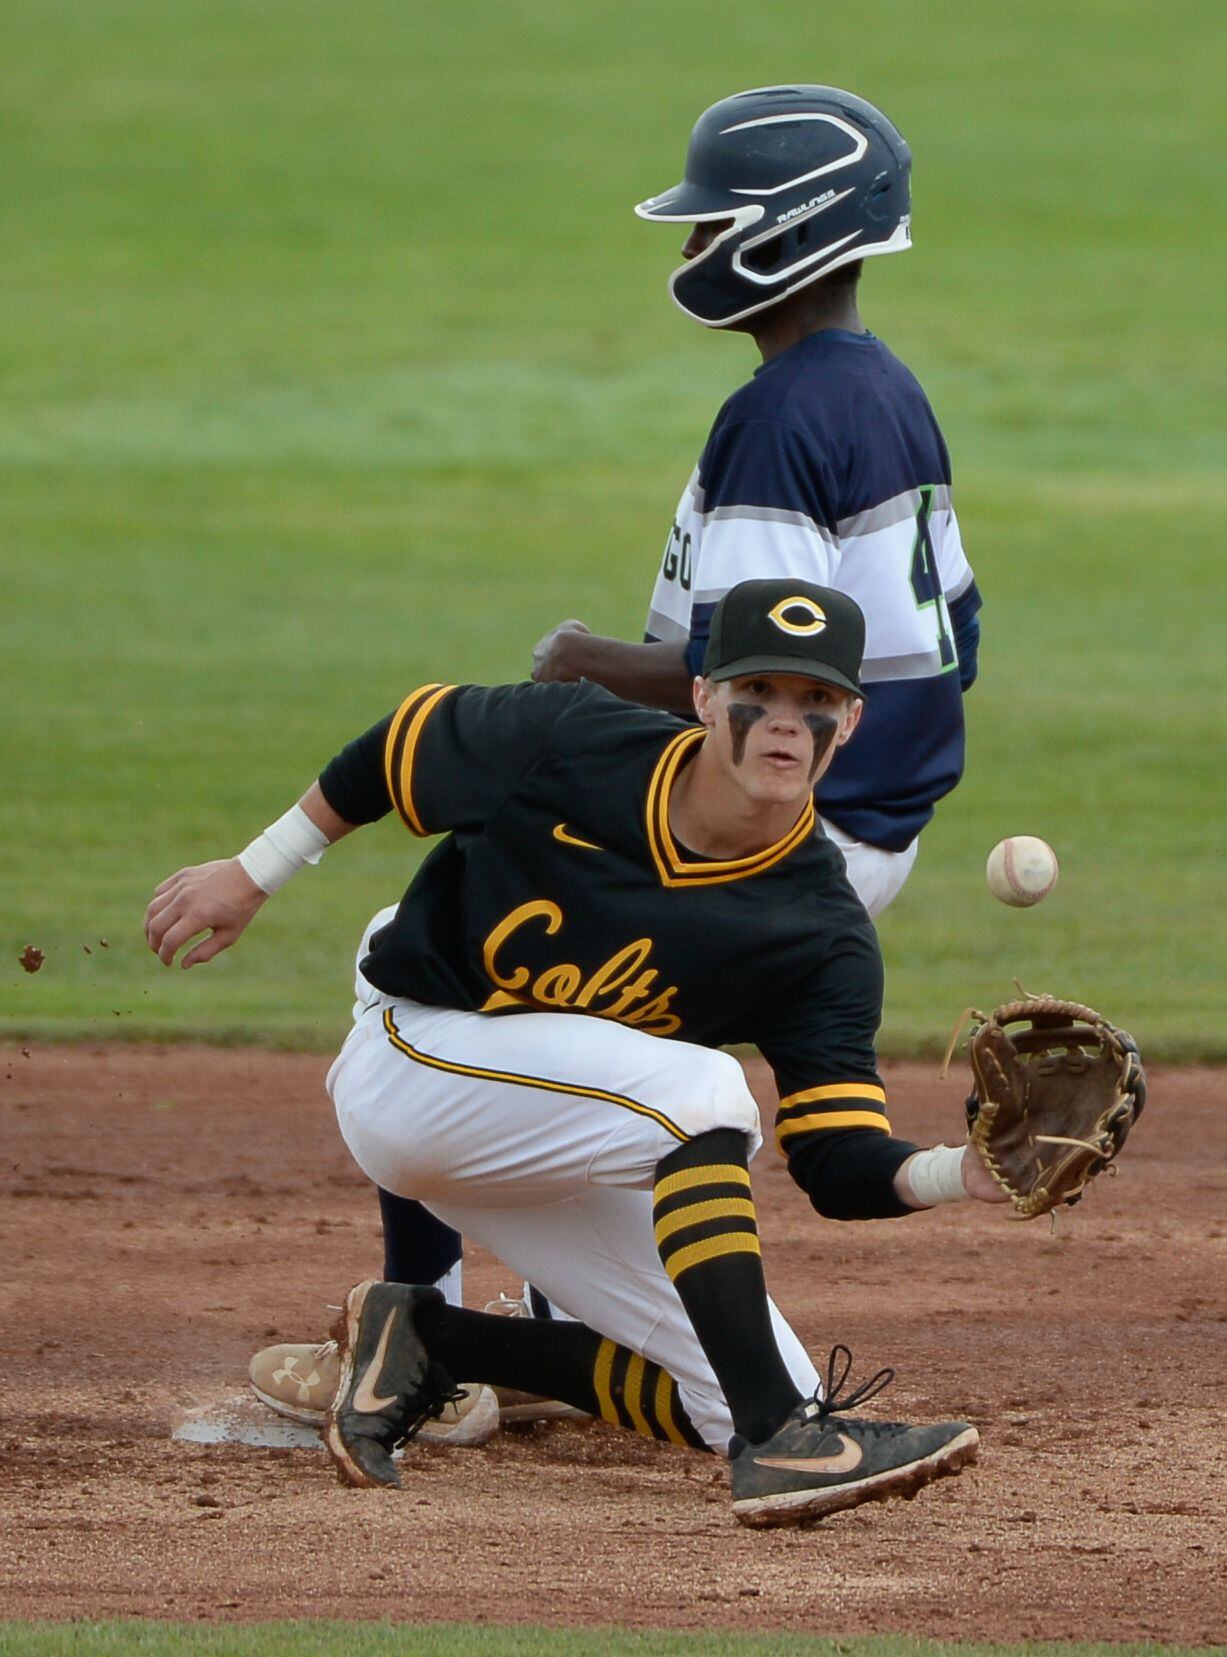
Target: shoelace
x,y
327,1347
507,1306
440,1391
834,1399
438,1395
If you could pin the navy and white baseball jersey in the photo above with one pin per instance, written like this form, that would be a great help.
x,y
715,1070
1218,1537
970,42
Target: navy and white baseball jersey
x,y
829,465
560,888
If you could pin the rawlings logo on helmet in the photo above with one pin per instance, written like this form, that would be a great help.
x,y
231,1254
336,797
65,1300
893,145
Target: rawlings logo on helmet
x,y
811,206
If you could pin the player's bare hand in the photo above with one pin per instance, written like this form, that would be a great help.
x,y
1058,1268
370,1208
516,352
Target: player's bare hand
x,y
553,658
219,898
979,1182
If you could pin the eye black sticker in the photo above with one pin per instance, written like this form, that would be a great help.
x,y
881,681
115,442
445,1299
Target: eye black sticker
x,y
741,716
822,727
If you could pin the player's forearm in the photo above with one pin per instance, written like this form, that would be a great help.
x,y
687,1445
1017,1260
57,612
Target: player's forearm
x,y
330,823
653,674
859,1175
932,1177
852,1173
300,836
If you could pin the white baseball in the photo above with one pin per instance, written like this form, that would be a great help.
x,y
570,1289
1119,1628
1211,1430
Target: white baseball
x,y
1022,870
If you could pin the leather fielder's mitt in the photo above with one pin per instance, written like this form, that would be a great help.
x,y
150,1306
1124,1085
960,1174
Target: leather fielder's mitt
x,y
1057,1089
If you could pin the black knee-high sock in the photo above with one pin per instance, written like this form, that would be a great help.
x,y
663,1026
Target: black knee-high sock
x,y
417,1248
562,1360
707,1235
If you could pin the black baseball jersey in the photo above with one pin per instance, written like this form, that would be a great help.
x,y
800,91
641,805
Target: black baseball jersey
x,y
559,887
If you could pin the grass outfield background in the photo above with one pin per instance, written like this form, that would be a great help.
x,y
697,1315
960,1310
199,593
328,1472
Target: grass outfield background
x,y
322,1639
333,360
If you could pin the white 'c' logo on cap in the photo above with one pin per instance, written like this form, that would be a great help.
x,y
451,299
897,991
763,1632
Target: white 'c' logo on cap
x,y
798,615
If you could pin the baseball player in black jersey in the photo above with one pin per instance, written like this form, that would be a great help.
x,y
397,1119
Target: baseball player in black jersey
x,y
535,1052
828,465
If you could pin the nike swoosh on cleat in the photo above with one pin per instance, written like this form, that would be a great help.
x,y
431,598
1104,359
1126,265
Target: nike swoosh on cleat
x,y
849,1457
365,1397
566,838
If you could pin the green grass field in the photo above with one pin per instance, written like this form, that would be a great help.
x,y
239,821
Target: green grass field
x,y
333,360
451,1640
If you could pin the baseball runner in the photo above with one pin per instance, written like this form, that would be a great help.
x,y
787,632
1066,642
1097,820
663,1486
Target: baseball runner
x,y
827,466
535,1051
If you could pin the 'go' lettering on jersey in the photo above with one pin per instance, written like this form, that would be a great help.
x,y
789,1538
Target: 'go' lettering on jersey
x,y
618,989
677,564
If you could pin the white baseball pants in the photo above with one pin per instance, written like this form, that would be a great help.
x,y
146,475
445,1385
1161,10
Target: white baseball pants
x,y
877,876
537,1135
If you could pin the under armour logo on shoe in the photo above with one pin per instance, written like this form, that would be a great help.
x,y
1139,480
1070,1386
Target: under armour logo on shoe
x,y
304,1383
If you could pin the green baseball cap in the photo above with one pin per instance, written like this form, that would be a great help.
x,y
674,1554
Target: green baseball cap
x,y
787,626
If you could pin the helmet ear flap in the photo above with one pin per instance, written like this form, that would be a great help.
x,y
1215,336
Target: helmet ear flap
x,y
775,254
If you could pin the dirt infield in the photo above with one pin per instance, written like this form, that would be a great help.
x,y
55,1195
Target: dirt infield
x,y
165,1211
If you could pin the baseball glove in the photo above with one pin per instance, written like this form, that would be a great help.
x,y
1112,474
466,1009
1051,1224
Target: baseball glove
x,y
1056,1090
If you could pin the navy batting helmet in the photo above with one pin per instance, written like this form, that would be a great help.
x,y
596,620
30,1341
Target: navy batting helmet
x,y
811,177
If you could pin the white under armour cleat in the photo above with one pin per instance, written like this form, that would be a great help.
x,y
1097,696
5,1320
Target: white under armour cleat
x,y
300,1382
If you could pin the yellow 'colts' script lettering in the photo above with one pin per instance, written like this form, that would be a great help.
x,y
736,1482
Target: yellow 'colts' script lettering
x,y
623,988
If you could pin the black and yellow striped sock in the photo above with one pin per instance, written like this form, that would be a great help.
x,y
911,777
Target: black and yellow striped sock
x,y
707,1235
559,1359
631,1392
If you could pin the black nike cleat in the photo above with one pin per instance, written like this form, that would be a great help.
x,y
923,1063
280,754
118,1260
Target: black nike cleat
x,y
814,1465
388,1385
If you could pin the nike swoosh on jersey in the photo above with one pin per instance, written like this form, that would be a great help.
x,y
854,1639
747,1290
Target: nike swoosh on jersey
x,y
848,1458
365,1397
563,834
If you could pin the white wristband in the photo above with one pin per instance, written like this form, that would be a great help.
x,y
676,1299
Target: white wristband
x,y
936,1176
283,849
